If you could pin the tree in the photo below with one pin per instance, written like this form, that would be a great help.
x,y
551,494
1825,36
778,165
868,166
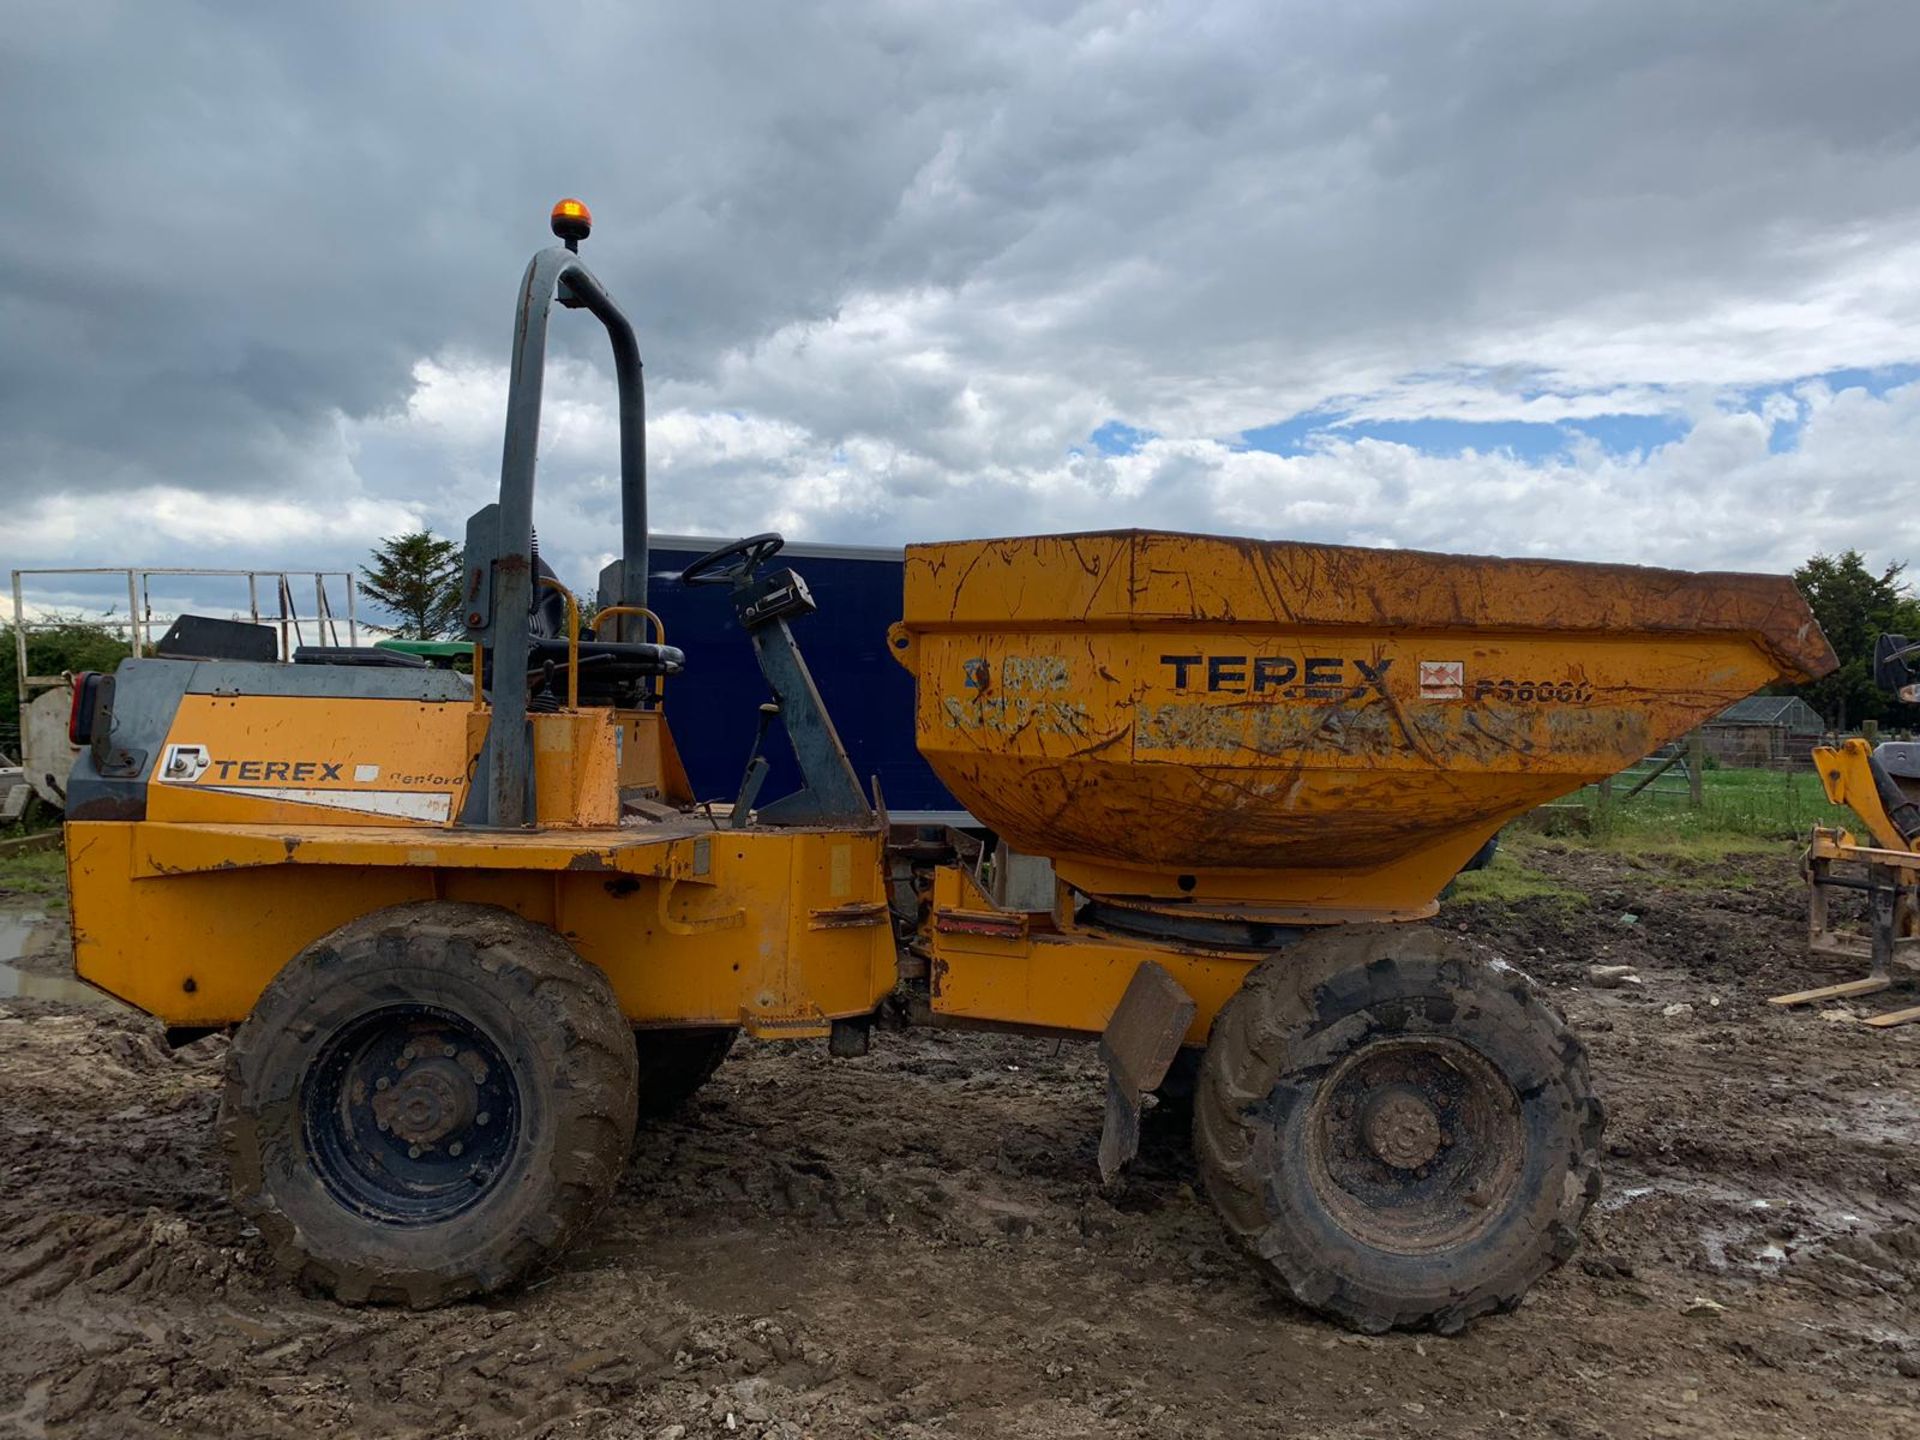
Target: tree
x,y
1854,607
417,578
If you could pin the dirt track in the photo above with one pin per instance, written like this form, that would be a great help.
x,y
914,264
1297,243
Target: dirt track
x,y
912,1244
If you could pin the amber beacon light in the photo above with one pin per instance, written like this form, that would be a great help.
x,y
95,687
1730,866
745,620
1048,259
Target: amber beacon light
x,y
572,222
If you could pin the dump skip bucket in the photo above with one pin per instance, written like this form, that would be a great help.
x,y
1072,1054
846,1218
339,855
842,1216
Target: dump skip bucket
x,y
1264,729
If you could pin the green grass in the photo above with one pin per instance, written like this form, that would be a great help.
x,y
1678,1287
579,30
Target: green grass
x,y
42,874
1511,878
1733,847
1747,821
1742,811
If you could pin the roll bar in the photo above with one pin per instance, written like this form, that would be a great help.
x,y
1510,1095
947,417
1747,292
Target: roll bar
x,y
499,559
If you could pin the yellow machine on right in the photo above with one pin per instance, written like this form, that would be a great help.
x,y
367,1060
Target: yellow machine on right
x,y
1881,784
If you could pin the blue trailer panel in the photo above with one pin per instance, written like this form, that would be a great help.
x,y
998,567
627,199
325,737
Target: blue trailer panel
x,y
869,696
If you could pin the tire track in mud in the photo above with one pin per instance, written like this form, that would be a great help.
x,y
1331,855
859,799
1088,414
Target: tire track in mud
x,y
914,1243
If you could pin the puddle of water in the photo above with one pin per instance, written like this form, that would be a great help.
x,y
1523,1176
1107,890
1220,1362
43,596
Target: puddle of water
x,y
22,935
1734,1226
16,982
17,932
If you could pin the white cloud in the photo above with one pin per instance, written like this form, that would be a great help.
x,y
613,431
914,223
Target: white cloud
x,y
156,520
892,269
1723,494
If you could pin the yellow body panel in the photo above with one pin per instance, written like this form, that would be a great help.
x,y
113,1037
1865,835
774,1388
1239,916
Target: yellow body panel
x,y
576,768
314,760
993,968
1846,774
308,760
779,931
648,758
1260,725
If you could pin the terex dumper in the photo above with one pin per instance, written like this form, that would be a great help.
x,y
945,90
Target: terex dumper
x,y
465,926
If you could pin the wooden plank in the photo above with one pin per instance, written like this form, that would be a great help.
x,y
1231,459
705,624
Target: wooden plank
x,y
1832,992
1894,1017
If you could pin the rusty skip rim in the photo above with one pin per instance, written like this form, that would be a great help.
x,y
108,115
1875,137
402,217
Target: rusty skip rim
x,y
1126,580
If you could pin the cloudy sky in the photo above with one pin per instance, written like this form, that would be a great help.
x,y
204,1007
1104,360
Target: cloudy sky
x,y
1620,280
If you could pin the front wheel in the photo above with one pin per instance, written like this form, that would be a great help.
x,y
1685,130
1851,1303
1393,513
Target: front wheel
x,y
1400,1134
428,1103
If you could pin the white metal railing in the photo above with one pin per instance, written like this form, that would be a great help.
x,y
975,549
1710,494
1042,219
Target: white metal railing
x,y
138,624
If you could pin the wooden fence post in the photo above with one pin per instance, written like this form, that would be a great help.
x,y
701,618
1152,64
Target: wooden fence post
x,y
1696,769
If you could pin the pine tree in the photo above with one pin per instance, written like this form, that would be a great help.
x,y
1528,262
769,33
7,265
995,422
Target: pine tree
x,y
417,578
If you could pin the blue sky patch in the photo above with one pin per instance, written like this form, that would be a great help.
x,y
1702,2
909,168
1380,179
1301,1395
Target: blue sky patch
x,y
1620,434
1529,440
1116,437
1785,435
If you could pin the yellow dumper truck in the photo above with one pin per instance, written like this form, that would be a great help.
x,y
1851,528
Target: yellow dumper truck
x,y
464,926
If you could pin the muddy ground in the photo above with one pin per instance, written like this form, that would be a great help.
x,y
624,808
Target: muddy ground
x,y
913,1244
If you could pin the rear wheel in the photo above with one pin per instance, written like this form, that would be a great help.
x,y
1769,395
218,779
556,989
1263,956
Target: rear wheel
x,y
428,1103
1398,1133
675,1063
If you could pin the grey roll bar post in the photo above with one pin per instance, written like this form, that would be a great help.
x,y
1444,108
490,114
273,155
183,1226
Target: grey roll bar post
x,y
553,273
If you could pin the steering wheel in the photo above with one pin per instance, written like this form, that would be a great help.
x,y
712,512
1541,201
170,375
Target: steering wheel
x,y
735,563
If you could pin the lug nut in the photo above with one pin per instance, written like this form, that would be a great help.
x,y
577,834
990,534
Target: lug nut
x,y
455,1148
482,1118
449,1051
382,1083
413,1152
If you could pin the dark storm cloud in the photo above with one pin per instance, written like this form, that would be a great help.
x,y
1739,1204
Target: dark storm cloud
x,y
227,222
926,248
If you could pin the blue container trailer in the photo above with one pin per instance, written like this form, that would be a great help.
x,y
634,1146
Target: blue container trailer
x,y
858,591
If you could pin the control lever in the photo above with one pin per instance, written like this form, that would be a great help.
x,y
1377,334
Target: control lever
x,y
757,768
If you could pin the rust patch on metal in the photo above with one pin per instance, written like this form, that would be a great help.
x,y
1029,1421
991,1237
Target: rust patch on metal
x,y
850,916
1004,924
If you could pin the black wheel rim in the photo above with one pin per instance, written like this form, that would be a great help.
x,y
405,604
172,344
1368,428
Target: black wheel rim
x,y
410,1115
1415,1145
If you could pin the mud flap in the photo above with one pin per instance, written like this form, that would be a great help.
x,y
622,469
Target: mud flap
x,y
1138,1045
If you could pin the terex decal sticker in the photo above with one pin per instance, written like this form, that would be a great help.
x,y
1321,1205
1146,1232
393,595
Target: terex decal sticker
x,y
321,783
1284,677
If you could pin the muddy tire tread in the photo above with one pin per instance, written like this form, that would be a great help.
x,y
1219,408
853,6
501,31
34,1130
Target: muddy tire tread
x,y
1247,1054
593,1084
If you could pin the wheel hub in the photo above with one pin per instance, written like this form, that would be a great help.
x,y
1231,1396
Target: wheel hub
x,y
411,1114
430,1101
1402,1128
1414,1143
